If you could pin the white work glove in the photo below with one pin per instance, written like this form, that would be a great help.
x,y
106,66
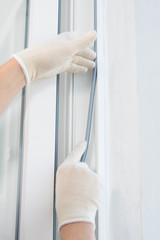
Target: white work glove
x,y
78,190
68,51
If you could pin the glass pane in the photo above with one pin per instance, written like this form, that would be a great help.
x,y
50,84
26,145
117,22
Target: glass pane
x,y
12,32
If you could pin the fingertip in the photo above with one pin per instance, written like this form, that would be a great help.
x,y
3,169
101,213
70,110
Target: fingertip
x,y
94,55
77,152
93,33
87,53
85,70
86,40
93,65
81,147
74,68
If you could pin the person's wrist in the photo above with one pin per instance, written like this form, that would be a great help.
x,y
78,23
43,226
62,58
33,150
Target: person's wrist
x,y
18,72
73,211
22,67
81,229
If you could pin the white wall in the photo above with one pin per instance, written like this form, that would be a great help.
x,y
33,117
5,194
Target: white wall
x,y
148,58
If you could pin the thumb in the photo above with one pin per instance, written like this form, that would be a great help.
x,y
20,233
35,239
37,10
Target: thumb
x,y
77,152
84,41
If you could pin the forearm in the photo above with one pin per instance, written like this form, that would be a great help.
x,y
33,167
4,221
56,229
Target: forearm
x,y
78,231
12,80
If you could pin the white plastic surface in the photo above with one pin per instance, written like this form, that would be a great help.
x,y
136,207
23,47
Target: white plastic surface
x,y
117,122
148,62
37,193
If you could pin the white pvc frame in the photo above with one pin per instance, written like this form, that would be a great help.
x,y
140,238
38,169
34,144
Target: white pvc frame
x,y
37,189
37,185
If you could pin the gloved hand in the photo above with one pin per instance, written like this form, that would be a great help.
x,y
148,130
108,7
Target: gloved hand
x,y
65,52
78,190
